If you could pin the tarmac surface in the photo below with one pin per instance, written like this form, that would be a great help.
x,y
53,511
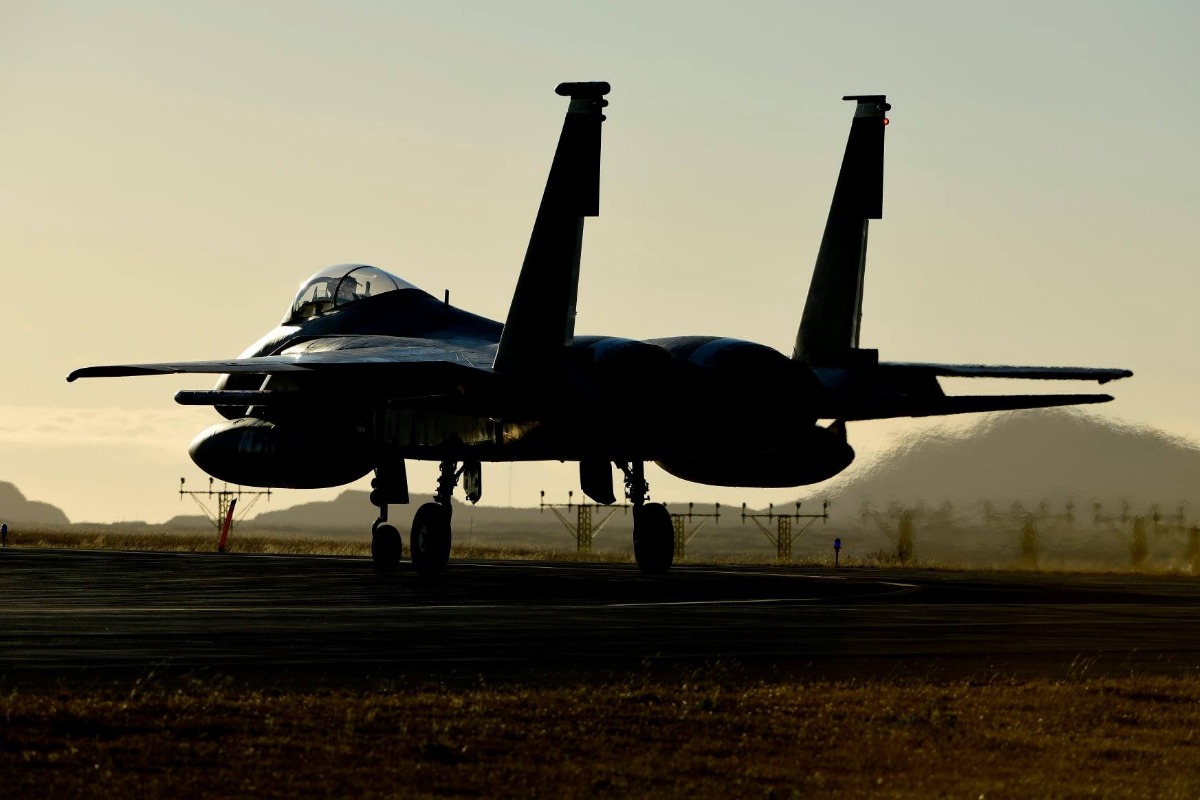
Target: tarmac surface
x,y
73,616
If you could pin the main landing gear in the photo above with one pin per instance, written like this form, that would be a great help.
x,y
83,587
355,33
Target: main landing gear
x,y
431,535
430,541
653,532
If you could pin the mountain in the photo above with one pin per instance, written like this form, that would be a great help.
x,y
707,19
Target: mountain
x,y
1031,457
15,509
351,509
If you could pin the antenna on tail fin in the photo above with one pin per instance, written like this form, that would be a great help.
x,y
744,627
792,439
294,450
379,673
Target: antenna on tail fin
x,y
829,328
541,318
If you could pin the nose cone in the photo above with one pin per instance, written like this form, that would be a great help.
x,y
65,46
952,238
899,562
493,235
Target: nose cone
x,y
216,451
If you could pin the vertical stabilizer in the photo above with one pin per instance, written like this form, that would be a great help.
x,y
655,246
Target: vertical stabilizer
x,y
829,328
541,318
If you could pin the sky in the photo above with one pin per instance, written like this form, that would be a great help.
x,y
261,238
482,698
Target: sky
x,y
173,171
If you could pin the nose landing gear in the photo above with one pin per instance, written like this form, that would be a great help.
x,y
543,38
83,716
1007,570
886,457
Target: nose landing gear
x,y
390,485
653,532
387,548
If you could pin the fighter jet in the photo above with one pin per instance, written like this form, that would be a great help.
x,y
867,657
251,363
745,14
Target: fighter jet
x,y
367,371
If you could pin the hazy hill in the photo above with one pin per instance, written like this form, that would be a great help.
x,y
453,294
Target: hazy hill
x,y
351,509
15,509
1030,457
1029,465
351,514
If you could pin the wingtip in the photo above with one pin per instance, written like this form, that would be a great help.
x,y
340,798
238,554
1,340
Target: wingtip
x,y
1117,375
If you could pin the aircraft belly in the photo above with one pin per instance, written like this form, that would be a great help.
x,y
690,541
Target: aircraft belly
x,y
587,434
411,430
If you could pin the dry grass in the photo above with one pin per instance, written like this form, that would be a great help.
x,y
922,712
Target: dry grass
x,y
118,539
292,545
275,543
1133,737
185,542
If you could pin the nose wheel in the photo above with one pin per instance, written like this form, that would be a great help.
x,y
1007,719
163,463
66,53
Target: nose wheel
x,y
653,532
390,485
387,548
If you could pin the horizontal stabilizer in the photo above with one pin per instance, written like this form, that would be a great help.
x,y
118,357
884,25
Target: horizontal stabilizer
x,y
968,404
1028,373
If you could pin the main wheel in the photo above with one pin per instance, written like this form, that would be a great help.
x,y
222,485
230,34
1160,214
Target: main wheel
x,y
653,539
387,548
430,541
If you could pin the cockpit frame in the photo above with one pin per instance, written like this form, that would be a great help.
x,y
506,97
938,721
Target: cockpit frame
x,y
336,287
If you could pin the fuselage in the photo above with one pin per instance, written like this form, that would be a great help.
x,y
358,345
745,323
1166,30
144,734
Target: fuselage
x,y
711,409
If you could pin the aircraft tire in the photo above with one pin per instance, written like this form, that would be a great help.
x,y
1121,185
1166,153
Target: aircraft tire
x,y
653,539
387,547
430,541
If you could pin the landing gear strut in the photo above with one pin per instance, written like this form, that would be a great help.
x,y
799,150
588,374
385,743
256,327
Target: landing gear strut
x,y
653,532
390,485
431,535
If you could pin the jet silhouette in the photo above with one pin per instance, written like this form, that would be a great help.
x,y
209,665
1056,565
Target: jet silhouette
x,y
367,371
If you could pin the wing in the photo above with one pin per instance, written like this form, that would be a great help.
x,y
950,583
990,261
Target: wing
x,y
328,354
265,365
339,370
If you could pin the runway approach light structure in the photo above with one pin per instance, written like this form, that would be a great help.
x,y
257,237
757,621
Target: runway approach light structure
x,y
684,533
586,529
226,505
784,535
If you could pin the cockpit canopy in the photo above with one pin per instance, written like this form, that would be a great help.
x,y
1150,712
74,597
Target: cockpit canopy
x,y
337,286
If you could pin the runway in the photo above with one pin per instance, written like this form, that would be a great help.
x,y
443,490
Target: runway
x,y
69,615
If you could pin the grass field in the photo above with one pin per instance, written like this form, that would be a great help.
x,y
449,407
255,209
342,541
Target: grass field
x,y
293,545
188,541
1113,738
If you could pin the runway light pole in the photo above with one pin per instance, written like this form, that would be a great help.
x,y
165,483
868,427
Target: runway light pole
x,y
227,500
